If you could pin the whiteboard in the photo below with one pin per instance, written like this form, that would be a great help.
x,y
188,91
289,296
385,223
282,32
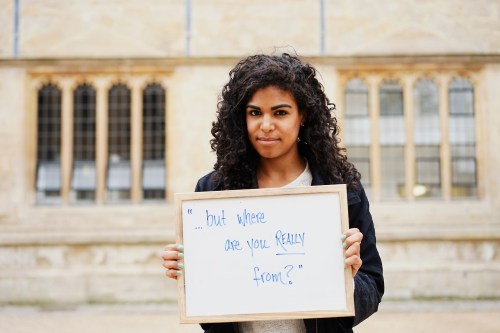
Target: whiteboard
x,y
263,254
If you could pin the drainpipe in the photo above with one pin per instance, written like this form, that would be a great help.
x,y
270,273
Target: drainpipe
x,y
15,41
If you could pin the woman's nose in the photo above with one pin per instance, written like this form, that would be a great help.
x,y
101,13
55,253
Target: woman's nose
x,y
267,124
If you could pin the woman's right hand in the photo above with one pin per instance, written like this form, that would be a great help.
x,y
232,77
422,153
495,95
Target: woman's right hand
x,y
172,256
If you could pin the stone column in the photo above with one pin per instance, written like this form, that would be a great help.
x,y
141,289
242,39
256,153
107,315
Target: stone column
x,y
66,137
102,86
374,110
408,83
444,80
136,139
168,127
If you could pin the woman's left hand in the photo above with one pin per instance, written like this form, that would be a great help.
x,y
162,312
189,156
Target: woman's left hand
x,y
352,246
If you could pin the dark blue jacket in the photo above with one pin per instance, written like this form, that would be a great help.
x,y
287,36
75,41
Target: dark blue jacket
x,y
369,281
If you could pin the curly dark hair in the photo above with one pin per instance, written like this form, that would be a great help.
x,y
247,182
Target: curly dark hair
x,y
237,159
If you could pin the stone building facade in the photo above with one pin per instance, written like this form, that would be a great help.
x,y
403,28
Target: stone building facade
x,y
86,191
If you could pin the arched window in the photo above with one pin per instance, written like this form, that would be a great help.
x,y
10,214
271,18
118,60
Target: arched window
x,y
357,128
153,140
84,145
392,141
119,173
48,170
462,136
427,136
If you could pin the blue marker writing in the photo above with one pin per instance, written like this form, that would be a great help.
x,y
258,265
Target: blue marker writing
x,y
216,220
266,277
257,244
250,218
287,239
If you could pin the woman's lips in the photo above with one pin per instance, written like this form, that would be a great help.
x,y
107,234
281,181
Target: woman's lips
x,y
267,141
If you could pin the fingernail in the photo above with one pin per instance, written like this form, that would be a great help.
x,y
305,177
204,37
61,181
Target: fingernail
x,y
343,237
180,247
180,254
344,245
179,272
180,265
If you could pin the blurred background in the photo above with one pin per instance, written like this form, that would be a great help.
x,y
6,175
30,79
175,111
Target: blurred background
x,y
106,109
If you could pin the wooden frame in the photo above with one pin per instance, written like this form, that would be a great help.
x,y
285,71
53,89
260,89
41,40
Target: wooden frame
x,y
228,277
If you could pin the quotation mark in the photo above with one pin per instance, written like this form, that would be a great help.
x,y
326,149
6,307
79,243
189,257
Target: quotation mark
x,y
190,211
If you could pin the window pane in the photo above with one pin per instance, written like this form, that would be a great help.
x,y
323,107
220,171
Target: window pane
x,y
428,172
48,176
357,121
391,121
153,175
84,175
356,99
84,133
391,99
119,175
48,173
154,194
462,139
461,127
461,94
119,179
426,113
463,171
392,139
360,157
119,143
393,172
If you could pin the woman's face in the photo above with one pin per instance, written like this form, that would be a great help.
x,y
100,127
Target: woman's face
x,y
273,123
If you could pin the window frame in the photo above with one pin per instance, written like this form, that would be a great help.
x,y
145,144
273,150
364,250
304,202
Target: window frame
x,y
68,82
408,79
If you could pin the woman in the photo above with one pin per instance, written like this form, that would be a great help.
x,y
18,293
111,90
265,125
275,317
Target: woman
x,y
274,128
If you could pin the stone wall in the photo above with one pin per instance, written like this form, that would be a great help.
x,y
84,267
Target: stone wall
x,y
72,254
83,29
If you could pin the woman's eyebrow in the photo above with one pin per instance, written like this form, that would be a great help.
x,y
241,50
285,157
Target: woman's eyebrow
x,y
281,106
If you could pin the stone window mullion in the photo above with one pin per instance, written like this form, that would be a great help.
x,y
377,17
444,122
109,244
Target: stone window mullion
x,y
168,106
409,145
136,140
101,85
445,143
66,138
374,111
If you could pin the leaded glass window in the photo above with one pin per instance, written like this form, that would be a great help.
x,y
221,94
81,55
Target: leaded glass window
x,y
462,137
153,140
48,169
357,128
83,183
392,140
119,173
427,138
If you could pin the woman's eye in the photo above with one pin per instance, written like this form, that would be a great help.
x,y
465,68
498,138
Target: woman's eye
x,y
281,113
253,112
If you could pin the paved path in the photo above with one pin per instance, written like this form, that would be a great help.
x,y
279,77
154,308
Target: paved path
x,y
164,319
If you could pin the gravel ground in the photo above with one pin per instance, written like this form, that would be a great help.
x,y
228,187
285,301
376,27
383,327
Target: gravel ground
x,y
392,317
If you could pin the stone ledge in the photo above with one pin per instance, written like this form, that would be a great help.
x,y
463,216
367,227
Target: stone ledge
x,y
424,232
88,235
32,236
43,237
